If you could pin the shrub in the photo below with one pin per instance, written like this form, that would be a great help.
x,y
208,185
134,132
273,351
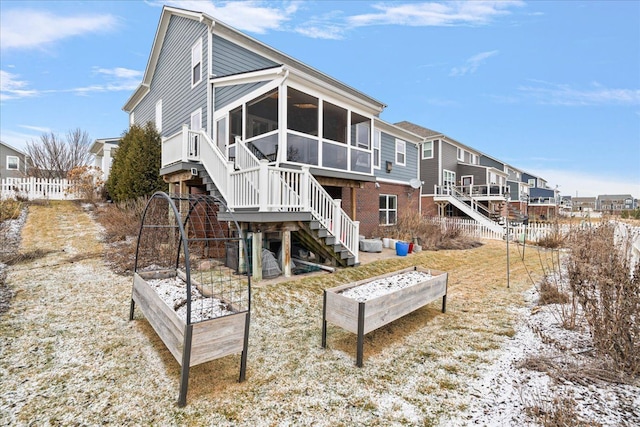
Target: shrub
x,y
136,164
431,235
86,181
10,209
606,281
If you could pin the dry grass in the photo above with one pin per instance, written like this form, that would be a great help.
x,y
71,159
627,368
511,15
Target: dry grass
x,y
10,209
70,355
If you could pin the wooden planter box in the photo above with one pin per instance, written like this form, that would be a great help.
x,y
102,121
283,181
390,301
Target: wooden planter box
x,y
195,343
363,317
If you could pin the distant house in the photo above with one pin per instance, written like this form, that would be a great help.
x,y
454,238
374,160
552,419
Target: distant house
x,y
543,200
583,204
295,154
456,183
14,163
103,151
615,203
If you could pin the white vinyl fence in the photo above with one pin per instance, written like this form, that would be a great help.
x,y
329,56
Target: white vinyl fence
x,y
531,232
37,188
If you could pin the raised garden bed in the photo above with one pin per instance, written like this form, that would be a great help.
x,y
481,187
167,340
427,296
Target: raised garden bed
x,y
186,285
364,306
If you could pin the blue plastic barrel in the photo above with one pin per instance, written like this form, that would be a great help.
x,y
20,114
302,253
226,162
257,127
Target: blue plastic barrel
x,y
402,248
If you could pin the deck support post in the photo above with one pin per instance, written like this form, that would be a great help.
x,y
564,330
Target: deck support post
x,y
286,253
256,255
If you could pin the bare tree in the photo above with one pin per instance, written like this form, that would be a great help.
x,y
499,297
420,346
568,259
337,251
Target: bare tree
x,y
53,157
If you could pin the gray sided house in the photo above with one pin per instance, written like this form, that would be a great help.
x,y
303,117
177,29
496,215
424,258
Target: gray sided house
x,y
543,200
615,203
294,154
454,182
13,162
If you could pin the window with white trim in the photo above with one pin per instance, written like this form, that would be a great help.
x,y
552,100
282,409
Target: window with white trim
x,y
427,150
377,138
196,63
401,152
448,178
532,182
13,163
460,154
388,209
159,115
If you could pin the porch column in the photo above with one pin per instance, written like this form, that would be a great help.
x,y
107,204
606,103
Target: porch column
x,y
256,255
353,203
286,253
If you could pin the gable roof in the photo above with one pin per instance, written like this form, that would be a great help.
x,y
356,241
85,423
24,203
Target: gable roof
x,y
22,153
417,129
243,40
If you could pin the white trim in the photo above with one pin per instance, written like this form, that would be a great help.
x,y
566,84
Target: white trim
x,y
387,209
462,177
196,59
400,142
17,159
378,133
393,181
460,154
196,113
132,119
452,173
159,116
248,77
422,150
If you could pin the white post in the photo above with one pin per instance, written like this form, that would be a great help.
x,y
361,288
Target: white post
x,y
256,256
263,185
337,217
228,191
304,189
355,241
185,142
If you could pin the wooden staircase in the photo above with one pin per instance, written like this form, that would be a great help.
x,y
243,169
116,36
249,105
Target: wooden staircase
x,y
317,239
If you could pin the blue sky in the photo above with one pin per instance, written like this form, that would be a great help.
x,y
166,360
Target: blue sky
x,y
550,87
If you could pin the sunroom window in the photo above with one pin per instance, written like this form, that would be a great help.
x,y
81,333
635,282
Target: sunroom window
x,y
302,112
334,122
262,114
361,131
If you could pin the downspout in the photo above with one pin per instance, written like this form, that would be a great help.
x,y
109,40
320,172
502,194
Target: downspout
x,y
210,91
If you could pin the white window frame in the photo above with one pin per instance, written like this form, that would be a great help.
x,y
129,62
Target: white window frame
x,y
387,209
532,182
366,145
196,58
377,145
401,144
132,118
446,182
198,114
17,163
159,115
460,154
424,144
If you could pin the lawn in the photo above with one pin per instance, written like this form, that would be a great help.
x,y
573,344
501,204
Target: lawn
x,y
69,355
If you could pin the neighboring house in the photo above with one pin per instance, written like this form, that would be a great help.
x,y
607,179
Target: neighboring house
x,y
518,191
543,200
103,151
583,204
13,162
455,183
296,155
615,203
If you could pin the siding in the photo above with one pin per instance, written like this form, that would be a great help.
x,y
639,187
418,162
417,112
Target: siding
x,y
388,153
429,170
479,174
6,173
172,78
227,94
485,161
229,58
450,157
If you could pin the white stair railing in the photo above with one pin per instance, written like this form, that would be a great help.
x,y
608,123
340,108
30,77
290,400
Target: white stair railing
x,y
198,146
245,159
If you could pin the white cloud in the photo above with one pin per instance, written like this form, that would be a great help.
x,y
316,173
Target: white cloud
x,y
18,139
589,185
563,94
36,128
11,87
29,29
435,13
472,64
252,16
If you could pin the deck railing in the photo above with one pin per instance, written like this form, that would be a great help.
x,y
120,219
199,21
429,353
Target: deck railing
x,y
263,187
